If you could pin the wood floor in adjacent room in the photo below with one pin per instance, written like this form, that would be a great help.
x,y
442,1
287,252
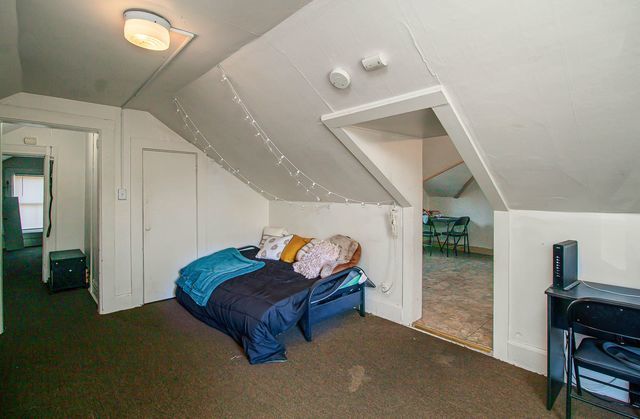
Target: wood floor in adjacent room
x,y
59,358
457,297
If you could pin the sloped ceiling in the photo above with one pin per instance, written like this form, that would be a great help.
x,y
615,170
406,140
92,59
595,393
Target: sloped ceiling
x,y
8,127
417,124
10,69
449,183
439,154
75,49
548,88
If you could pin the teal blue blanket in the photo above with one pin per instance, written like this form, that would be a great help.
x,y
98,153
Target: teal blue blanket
x,y
201,277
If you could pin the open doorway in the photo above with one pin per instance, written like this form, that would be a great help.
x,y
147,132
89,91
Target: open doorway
x,y
457,234
457,281
50,209
419,117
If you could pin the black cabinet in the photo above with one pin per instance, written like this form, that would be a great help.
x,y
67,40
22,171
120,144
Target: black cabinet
x,y
67,269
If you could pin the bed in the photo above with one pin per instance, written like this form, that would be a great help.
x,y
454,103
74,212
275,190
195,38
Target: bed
x,y
256,307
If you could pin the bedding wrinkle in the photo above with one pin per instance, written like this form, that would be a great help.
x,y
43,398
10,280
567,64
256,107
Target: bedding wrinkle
x,y
255,308
201,277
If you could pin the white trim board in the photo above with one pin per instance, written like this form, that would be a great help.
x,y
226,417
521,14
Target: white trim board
x,y
434,98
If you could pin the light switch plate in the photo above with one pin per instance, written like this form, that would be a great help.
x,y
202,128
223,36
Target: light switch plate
x,y
122,194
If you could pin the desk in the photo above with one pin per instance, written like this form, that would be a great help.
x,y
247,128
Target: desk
x,y
557,302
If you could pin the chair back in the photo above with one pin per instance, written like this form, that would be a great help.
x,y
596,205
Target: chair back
x,y
605,320
460,225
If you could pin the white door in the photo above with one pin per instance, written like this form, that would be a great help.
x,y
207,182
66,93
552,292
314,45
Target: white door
x,y
169,219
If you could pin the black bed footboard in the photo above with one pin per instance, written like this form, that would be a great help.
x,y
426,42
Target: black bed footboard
x,y
327,299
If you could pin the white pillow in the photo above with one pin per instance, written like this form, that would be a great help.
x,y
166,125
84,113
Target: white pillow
x,y
273,247
269,232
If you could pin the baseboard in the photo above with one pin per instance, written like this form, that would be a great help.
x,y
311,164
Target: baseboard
x,y
472,249
527,357
481,250
385,310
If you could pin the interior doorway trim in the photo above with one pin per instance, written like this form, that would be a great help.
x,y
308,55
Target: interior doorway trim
x,y
434,98
105,128
46,153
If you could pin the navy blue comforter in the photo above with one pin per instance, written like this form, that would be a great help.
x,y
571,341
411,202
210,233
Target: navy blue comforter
x,y
255,308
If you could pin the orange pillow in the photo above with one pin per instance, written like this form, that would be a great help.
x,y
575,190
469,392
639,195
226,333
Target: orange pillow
x,y
289,253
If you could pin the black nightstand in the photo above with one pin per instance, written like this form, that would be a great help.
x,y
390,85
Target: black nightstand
x,y
67,270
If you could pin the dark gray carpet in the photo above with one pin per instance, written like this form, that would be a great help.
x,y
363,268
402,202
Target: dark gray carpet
x,y
59,358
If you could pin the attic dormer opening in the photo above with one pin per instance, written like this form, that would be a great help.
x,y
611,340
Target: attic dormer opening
x,y
423,132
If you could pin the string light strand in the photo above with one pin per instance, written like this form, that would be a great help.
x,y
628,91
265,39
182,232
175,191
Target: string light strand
x,y
302,180
202,142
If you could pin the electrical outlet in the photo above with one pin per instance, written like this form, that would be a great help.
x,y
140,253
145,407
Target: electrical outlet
x,y
385,287
122,194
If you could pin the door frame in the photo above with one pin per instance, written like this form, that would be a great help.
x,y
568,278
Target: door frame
x,y
105,129
144,212
47,153
138,145
447,111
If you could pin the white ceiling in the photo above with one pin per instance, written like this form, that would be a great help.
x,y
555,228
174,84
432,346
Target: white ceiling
x,y
449,183
418,124
548,89
10,69
75,49
8,127
438,155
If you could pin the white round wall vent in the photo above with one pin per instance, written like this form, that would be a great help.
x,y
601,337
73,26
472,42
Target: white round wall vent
x,y
340,78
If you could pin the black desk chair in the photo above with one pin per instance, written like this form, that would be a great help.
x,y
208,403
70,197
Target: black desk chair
x,y
614,331
459,231
429,232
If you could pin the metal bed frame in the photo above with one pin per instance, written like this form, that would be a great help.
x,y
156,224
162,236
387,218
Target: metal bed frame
x,y
325,301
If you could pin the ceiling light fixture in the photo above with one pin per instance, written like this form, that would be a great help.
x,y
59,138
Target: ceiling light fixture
x,y
146,30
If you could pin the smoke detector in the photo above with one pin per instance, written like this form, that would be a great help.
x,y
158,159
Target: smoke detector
x,y
340,78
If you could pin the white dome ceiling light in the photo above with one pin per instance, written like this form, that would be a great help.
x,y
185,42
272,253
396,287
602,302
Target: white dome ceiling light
x,y
146,30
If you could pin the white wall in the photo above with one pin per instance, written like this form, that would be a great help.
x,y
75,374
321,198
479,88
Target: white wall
x,y
608,252
471,203
396,261
234,216
69,181
381,253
